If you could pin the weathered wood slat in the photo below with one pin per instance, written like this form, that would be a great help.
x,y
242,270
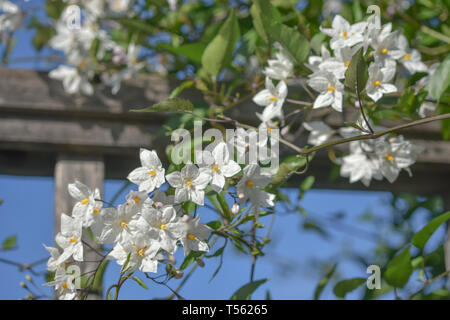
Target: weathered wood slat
x,y
89,170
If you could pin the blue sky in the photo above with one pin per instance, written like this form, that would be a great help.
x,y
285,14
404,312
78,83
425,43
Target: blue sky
x,y
289,261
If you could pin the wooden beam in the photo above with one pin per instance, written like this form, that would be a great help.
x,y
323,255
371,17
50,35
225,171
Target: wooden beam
x,y
90,171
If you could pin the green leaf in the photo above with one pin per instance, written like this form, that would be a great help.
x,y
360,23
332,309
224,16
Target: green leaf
x,y
218,53
217,253
345,286
188,206
306,184
420,239
140,282
214,224
191,257
292,41
262,11
323,282
54,8
399,269
185,85
357,74
137,25
409,102
440,80
191,51
246,291
169,105
97,284
289,165
9,243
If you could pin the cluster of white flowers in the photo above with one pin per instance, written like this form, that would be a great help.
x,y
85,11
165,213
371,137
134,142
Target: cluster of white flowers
x,y
76,35
368,159
145,227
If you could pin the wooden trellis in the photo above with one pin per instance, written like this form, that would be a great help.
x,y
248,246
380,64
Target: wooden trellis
x,y
45,132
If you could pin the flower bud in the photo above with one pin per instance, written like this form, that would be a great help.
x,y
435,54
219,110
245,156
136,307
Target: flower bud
x,y
171,259
235,208
23,284
185,218
285,130
178,274
28,277
200,263
158,205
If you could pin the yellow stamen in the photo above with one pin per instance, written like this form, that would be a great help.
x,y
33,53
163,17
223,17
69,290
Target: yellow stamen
x,y
345,34
273,98
65,286
163,227
117,5
250,184
84,201
141,252
215,168
189,183
123,224
269,129
330,88
152,172
191,236
83,64
347,63
407,56
384,51
389,158
377,83
136,199
420,87
72,240
96,211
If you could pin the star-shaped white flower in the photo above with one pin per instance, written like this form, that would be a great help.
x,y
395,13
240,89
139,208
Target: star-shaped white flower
x,y
195,235
151,174
411,58
280,68
331,90
319,132
250,185
69,239
379,78
219,165
88,204
189,184
142,251
343,34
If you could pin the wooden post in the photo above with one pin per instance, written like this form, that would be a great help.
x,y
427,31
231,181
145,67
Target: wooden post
x,y
90,171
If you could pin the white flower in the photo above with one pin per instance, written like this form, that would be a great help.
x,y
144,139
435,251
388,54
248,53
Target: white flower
x,y
132,68
10,19
315,61
379,78
114,226
168,227
54,256
88,204
119,6
359,166
280,68
411,59
69,239
250,185
395,155
64,283
331,90
271,94
271,112
219,165
385,44
320,132
189,184
136,200
195,235
151,174
73,81
142,251
343,34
